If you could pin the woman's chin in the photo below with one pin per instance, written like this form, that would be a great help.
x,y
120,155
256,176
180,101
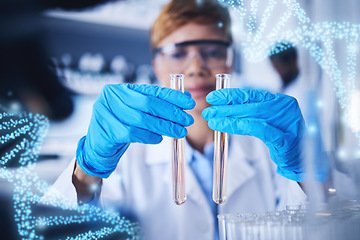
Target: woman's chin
x,y
201,104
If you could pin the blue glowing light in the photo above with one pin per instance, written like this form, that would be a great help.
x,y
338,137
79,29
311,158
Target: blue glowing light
x,y
318,38
26,132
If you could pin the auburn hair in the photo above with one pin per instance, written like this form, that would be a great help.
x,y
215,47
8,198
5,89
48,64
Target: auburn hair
x,y
177,13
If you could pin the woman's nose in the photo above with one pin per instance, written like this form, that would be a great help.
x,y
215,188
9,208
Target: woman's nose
x,y
196,66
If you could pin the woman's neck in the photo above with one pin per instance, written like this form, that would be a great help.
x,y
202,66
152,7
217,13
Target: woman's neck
x,y
199,134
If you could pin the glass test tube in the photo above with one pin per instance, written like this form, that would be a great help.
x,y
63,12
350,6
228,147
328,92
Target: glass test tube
x,y
221,143
178,151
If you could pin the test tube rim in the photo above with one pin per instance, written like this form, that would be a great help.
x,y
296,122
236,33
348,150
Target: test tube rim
x,y
177,75
223,75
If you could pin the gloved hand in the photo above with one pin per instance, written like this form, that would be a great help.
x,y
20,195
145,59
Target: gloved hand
x,y
126,113
276,119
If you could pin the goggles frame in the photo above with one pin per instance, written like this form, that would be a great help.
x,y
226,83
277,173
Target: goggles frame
x,y
172,46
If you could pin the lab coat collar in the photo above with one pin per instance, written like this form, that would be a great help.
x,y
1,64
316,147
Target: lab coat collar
x,y
242,155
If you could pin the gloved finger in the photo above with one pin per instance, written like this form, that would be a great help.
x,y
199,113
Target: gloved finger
x,y
254,127
281,105
231,96
109,131
253,110
170,95
139,135
133,117
187,93
148,104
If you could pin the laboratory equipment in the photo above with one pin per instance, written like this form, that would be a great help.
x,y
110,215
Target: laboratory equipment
x,y
220,151
279,225
296,222
178,151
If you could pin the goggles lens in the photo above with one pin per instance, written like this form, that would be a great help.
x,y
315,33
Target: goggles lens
x,y
213,54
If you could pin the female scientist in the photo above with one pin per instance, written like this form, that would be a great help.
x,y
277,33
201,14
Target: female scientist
x,y
127,150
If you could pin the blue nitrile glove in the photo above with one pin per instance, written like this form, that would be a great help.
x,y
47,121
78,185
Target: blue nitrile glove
x,y
126,113
276,119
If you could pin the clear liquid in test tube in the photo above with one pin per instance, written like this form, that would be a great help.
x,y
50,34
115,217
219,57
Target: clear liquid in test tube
x,y
178,151
221,144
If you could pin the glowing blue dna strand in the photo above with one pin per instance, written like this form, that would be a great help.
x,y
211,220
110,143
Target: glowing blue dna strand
x,y
318,38
28,132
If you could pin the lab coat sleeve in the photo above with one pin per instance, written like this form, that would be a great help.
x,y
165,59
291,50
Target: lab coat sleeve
x,y
63,193
112,191
288,193
296,196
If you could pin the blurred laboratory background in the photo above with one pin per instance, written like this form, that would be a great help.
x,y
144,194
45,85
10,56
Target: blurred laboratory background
x,y
84,47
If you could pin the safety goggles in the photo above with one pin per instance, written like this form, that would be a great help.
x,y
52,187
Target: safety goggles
x,y
212,54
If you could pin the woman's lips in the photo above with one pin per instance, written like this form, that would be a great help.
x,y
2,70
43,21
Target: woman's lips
x,y
200,91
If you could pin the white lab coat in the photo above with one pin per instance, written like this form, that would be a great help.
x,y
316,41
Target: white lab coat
x,y
300,89
142,184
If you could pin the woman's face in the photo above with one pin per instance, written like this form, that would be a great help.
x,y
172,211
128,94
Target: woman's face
x,y
198,60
